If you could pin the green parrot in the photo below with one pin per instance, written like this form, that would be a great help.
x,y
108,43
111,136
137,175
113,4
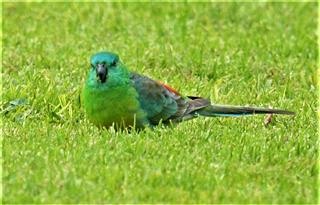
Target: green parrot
x,y
112,95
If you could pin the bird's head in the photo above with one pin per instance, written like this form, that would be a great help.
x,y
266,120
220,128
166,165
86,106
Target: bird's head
x,y
102,62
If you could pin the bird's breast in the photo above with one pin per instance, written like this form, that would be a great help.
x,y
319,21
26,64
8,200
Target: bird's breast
x,y
119,106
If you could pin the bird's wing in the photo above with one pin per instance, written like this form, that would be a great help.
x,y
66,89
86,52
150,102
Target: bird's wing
x,y
159,101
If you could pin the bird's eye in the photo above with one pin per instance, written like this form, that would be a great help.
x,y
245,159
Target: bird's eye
x,y
114,63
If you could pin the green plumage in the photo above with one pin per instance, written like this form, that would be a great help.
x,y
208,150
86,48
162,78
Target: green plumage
x,y
114,96
112,102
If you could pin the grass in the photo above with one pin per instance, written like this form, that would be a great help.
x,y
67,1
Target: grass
x,y
262,54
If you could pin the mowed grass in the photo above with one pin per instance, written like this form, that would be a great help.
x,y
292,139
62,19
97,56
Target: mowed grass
x,y
262,54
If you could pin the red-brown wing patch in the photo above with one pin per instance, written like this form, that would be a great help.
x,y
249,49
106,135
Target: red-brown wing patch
x,y
169,88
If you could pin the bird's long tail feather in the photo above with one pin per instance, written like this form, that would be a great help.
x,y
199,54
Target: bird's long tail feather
x,y
234,111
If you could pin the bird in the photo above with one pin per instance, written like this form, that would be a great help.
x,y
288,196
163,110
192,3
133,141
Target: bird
x,y
114,96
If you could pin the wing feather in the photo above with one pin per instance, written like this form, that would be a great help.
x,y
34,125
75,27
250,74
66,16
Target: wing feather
x,y
159,103
163,103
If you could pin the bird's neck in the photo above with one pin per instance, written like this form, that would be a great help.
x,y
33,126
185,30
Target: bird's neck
x,y
117,77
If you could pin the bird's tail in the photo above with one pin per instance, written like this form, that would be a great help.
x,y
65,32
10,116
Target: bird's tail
x,y
234,111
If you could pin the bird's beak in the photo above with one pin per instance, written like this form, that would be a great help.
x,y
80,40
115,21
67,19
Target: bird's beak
x,y
102,73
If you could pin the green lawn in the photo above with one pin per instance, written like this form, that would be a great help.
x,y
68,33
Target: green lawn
x,y
262,54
